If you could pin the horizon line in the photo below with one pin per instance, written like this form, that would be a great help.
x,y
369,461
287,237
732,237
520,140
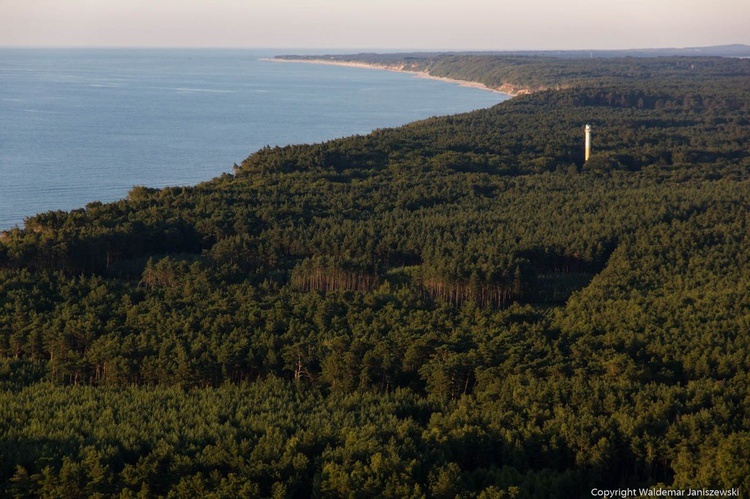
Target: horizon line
x,y
369,49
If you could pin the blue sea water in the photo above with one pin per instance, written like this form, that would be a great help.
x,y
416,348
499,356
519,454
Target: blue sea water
x,y
80,125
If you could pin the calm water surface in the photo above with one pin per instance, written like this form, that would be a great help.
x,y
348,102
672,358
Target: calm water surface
x,y
84,125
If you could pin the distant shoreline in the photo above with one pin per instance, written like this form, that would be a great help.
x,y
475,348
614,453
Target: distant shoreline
x,y
505,89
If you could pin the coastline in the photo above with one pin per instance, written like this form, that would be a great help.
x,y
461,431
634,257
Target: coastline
x,y
222,133
504,89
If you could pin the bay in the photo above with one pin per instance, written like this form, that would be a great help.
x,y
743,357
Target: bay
x,y
82,125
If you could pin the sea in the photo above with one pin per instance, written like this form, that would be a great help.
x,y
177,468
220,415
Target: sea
x,y
83,125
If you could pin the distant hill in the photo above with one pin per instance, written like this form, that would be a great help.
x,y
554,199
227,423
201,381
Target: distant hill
x,y
525,72
735,50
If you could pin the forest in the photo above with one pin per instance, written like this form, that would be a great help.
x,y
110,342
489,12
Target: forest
x,y
460,307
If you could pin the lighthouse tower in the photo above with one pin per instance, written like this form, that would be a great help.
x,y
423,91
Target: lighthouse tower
x,y
588,143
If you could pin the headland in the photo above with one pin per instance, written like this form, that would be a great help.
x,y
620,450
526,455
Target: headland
x,y
402,68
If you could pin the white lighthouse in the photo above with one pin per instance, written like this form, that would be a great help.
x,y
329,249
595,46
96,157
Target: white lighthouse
x,y
588,143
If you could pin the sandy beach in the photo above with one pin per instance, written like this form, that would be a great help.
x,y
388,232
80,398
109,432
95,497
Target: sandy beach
x,y
505,89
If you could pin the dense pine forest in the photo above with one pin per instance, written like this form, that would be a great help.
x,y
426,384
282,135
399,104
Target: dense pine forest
x,y
460,307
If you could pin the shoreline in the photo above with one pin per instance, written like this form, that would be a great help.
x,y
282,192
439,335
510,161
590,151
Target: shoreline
x,y
504,89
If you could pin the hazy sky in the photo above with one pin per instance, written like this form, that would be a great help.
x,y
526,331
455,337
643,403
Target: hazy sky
x,y
379,24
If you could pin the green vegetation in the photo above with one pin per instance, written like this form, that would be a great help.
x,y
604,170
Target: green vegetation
x,y
540,72
457,307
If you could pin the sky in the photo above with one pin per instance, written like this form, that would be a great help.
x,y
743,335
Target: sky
x,y
375,24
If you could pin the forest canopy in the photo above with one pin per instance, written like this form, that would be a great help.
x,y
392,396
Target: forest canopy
x,y
458,307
